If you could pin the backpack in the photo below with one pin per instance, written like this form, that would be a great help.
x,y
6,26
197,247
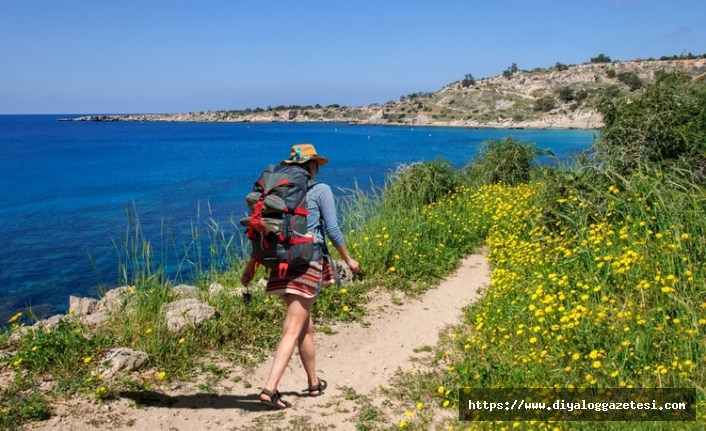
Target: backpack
x,y
277,224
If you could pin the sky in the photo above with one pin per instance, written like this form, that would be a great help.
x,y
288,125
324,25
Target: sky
x,y
169,56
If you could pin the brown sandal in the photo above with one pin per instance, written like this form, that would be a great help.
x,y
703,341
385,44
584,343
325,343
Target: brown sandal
x,y
319,387
275,399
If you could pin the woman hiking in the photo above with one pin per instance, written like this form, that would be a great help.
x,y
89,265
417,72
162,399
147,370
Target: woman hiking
x,y
300,285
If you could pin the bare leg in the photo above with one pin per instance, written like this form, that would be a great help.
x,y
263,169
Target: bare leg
x,y
307,353
295,322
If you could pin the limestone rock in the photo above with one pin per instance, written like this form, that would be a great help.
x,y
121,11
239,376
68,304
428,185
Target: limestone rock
x,y
83,306
185,291
51,322
215,288
115,299
96,319
185,312
121,359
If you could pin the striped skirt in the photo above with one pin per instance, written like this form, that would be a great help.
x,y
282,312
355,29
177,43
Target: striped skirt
x,y
303,280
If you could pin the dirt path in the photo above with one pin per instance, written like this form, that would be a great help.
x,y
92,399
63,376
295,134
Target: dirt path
x,y
356,360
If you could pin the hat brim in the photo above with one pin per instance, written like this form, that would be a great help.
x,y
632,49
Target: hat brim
x,y
320,160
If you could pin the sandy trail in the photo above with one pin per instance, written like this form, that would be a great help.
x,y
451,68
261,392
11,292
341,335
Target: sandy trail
x,y
359,358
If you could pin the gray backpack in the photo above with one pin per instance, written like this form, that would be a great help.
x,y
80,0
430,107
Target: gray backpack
x,y
277,225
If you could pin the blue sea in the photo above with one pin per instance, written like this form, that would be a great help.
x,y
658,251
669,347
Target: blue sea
x,y
71,190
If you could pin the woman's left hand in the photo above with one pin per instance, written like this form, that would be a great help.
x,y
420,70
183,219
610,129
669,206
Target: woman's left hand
x,y
354,266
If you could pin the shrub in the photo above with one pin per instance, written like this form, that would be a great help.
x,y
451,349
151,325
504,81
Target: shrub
x,y
566,94
666,125
608,94
421,183
468,80
631,79
545,104
602,58
507,73
610,73
506,161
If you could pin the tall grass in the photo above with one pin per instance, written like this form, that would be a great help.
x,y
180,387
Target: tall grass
x,y
598,281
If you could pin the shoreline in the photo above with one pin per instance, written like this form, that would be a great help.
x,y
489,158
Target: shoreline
x,y
560,124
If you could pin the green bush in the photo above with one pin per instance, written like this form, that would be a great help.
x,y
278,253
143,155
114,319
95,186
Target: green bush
x,y
631,79
468,80
665,125
506,161
421,183
566,94
507,73
602,58
545,104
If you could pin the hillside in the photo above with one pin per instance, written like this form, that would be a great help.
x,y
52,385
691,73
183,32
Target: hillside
x,y
556,97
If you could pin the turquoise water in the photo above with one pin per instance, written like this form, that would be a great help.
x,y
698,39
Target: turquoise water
x,y
65,187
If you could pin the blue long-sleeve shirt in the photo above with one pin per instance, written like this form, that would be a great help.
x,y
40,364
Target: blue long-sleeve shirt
x,y
321,206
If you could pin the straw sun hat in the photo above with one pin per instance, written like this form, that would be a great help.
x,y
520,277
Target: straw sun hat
x,y
301,153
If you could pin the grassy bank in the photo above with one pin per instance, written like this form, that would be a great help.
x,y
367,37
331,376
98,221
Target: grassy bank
x,y
598,277
597,281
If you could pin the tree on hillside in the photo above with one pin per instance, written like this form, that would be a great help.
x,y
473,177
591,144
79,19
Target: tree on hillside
x,y
468,80
631,79
510,70
561,67
566,94
545,103
602,58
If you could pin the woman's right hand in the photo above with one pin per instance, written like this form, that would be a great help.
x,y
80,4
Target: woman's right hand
x,y
248,274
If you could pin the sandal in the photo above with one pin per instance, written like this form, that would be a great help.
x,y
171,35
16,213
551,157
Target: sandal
x,y
275,400
319,387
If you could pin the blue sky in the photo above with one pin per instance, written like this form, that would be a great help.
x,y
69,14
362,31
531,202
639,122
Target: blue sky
x,y
159,56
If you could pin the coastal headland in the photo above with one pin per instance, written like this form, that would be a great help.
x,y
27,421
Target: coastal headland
x,y
560,97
